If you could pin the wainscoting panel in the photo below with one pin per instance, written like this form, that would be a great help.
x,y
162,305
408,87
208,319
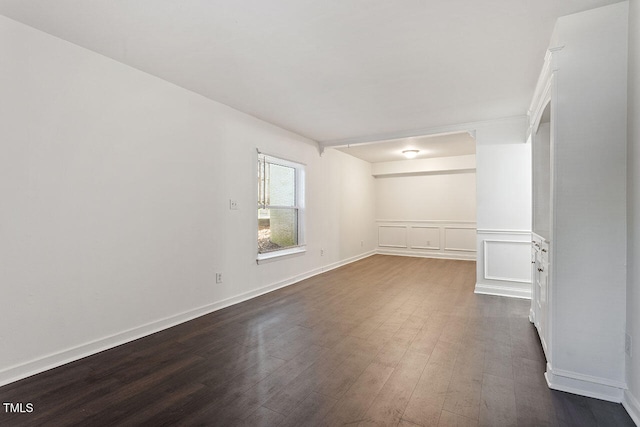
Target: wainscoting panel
x,y
392,236
460,239
504,263
430,239
424,237
495,268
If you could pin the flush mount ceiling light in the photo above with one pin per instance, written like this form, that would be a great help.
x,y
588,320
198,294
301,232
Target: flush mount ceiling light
x,y
410,154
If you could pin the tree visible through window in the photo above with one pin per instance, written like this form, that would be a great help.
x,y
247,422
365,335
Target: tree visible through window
x,y
279,204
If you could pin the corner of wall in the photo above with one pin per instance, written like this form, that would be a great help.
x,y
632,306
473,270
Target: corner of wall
x,y
631,395
632,406
504,210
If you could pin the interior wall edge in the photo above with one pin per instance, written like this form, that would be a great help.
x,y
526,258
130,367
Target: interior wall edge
x,y
434,255
504,267
584,385
503,291
632,406
454,127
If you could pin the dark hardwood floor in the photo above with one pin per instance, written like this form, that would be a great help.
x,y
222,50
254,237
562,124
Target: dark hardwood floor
x,y
384,341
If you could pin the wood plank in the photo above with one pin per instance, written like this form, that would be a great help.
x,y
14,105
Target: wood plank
x,y
390,404
498,406
382,341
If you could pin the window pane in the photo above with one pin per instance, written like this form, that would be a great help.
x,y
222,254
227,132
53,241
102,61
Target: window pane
x,y
281,185
261,182
277,229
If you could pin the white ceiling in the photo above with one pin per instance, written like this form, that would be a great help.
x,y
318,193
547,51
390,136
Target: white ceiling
x,y
455,144
331,70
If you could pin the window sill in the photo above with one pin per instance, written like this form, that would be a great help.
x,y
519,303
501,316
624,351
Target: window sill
x,y
272,256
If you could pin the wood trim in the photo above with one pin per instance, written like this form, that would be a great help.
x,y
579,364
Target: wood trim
x,y
585,385
632,406
427,254
496,231
502,291
411,248
424,221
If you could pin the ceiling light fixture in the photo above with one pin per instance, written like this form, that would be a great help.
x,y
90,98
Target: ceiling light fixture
x,y
410,154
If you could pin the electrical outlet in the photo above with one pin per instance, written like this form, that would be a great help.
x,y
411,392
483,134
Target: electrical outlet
x,y
361,243
627,344
321,252
218,277
428,242
233,205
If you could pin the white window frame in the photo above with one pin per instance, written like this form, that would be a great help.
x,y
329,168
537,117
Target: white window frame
x,y
299,168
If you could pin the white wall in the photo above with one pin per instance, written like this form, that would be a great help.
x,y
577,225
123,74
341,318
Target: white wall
x,y
588,238
427,207
632,395
348,193
502,211
503,208
440,197
114,214
465,163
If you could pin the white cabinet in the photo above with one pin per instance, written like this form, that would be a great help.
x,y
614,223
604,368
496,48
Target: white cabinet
x,y
540,290
577,129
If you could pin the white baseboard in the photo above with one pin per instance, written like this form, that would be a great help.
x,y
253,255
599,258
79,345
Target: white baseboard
x,y
503,291
338,264
585,385
632,406
36,366
461,256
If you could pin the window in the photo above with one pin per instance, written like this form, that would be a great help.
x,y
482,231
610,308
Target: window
x,y
280,207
